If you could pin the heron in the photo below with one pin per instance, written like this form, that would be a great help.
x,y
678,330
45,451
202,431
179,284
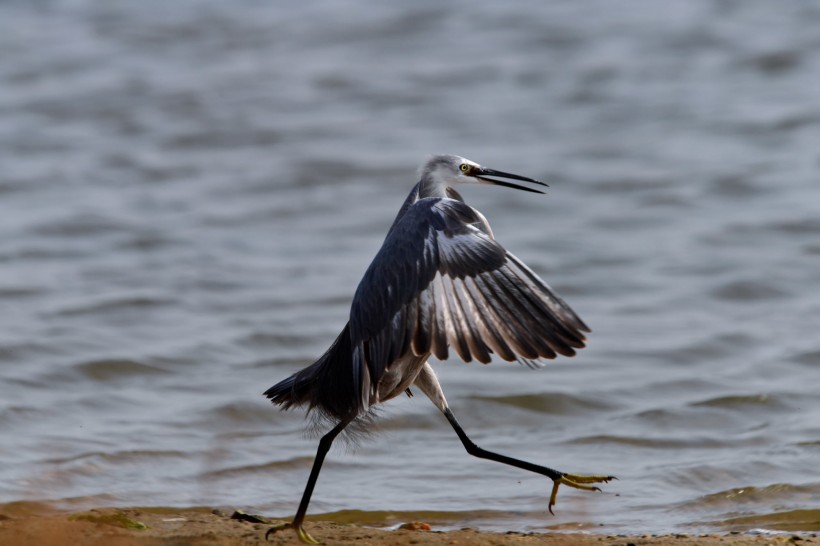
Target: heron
x,y
439,281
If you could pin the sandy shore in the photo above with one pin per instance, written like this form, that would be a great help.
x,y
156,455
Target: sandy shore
x,y
24,524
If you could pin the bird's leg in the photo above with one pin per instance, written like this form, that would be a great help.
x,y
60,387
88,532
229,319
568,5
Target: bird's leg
x,y
558,478
429,385
296,524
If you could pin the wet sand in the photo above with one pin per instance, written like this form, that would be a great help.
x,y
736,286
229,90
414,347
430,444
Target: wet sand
x,y
24,524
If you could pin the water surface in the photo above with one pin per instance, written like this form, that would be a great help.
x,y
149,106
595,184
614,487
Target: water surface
x,y
191,191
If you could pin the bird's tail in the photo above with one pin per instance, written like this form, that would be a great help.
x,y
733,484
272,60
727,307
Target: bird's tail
x,y
327,386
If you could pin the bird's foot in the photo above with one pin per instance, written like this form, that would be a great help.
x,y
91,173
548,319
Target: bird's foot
x,y
578,482
300,532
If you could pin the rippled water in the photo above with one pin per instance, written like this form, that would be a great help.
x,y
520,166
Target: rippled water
x,y
190,192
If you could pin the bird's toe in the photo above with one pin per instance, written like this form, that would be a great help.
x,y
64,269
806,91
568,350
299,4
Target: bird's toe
x,y
577,481
300,532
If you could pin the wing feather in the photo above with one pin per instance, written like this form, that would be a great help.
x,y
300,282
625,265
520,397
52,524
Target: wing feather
x,y
515,333
488,322
423,329
472,316
441,319
547,324
557,305
463,333
531,313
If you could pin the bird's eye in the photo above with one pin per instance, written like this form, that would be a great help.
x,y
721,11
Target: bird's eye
x,y
465,168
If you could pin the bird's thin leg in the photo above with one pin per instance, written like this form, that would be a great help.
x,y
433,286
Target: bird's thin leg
x,y
429,385
481,453
558,478
296,524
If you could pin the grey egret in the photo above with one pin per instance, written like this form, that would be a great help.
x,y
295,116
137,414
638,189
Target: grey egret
x,y
440,280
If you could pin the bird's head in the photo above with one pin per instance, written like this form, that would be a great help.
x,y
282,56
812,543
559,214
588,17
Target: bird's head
x,y
443,171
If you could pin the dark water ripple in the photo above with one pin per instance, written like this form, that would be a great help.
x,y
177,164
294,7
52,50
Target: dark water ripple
x,y
777,507
554,403
190,193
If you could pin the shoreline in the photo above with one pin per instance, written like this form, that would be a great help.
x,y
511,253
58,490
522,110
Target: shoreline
x,y
31,523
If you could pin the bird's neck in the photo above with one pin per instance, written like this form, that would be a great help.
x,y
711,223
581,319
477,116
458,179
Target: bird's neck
x,y
429,187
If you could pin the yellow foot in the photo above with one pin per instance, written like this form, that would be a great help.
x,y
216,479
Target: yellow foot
x,y
576,481
300,532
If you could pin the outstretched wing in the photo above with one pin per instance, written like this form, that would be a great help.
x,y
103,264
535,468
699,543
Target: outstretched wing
x,y
441,280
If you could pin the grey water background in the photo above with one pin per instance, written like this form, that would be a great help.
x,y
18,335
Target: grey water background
x,y
190,192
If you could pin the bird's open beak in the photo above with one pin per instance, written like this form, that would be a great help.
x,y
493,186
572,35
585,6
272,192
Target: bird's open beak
x,y
482,173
